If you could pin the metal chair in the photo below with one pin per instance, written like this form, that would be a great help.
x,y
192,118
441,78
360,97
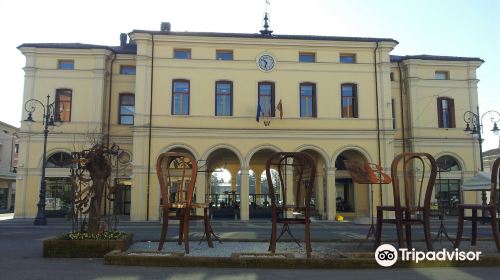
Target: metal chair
x,y
493,208
411,210
177,177
297,172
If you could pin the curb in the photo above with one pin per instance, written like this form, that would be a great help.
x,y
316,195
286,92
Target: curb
x,y
285,261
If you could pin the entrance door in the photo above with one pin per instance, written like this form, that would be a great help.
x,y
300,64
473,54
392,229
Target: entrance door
x,y
122,201
448,196
59,197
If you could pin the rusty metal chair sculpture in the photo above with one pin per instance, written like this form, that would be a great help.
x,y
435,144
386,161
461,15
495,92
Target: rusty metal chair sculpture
x,y
493,209
368,173
296,194
177,174
411,210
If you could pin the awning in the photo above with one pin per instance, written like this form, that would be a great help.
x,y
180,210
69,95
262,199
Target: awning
x,y
479,182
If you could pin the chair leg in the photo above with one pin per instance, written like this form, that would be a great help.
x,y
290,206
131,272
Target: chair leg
x,y
378,230
181,232
308,239
208,233
408,236
186,231
474,227
427,231
399,229
272,243
164,228
460,227
494,228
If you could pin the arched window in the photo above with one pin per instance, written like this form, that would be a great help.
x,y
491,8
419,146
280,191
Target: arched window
x,y
448,163
59,160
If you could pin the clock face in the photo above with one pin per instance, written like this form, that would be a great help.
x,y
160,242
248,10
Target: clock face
x,y
266,62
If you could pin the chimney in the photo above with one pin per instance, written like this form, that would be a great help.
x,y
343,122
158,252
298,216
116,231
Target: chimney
x,y
123,39
165,26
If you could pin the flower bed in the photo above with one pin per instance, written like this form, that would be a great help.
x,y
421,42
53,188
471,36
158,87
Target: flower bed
x,y
84,245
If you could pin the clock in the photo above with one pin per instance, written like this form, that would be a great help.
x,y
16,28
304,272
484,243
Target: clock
x,y
266,62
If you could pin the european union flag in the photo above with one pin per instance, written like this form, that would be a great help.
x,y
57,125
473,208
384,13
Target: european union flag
x,y
259,110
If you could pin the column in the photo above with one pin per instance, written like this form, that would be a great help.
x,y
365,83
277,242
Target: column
x,y
245,184
320,195
331,207
201,189
289,187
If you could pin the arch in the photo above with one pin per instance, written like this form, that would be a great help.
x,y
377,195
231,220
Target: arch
x,y
53,152
317,149
229,147
346,148
178,146
250,154
455,156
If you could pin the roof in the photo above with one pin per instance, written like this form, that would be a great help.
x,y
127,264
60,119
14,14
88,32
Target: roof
x,y
479,182
493,152
398,58
127,49
269,37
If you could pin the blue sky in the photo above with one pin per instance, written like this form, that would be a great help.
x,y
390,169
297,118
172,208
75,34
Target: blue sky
x,y
439,27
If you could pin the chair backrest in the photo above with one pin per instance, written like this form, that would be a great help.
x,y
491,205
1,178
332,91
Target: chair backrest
x,y
495,179
366,173
419,172
177,177
302,168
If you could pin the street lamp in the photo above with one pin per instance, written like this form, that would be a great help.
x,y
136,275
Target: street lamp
x,y
50,118
474,126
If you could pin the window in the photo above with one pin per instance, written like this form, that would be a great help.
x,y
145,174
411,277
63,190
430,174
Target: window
x,y
224,55
266,98
16,148
223,98
448,195
182,53
448,163
442,75
347,58
307,57
66,64
127,108
392,76
127,70
446,112
59,160
180,97
307,100
63,104
349,101
59,196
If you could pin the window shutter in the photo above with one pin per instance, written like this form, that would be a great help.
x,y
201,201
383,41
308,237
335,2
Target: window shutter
x,y
273,108
440,111
355,101
451,111
314,114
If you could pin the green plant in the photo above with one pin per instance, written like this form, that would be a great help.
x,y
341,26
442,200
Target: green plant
x,y
106,235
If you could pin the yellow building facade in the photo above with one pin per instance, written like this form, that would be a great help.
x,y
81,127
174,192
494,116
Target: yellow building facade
x,y
340,98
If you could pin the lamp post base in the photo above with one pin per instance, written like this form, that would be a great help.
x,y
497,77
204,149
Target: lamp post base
x,y
40,221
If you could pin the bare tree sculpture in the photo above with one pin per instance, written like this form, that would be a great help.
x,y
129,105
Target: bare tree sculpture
x,y
90,174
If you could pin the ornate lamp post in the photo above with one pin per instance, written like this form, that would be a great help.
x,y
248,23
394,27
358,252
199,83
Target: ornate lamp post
x,y
474,126
50,118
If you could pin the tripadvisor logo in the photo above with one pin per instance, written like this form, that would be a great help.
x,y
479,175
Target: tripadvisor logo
x,y
386,255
